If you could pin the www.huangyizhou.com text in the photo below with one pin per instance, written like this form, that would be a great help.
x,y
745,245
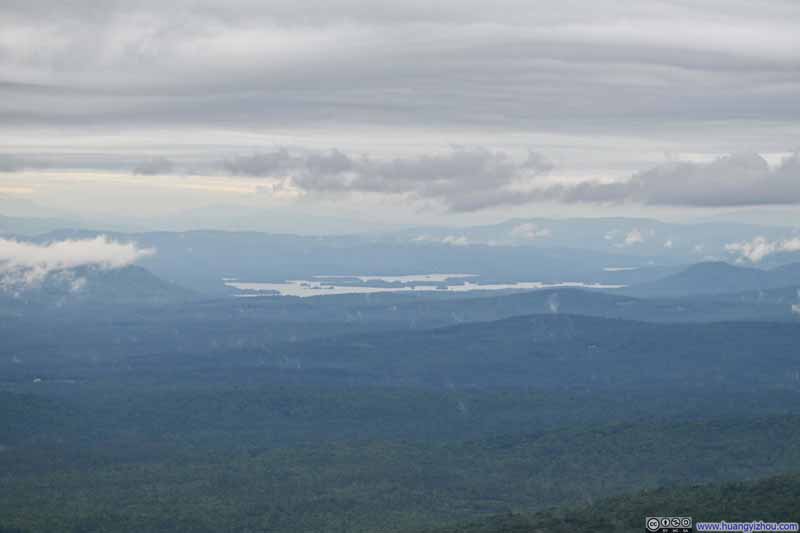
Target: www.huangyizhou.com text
x,y
747,527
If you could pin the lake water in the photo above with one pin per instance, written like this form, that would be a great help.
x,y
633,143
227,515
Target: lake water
x,y
326,285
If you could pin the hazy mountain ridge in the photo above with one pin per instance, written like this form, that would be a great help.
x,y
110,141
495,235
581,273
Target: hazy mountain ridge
x,y
100,287
670,241
719,277
618,251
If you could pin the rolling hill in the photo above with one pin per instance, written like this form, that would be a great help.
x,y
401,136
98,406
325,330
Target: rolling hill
x,y
166,481
552,351
130,285
719,277
772,499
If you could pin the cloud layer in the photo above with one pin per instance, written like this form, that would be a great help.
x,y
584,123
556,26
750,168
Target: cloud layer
x,y
25,265
731,180
529,231
156,165
508,62
601,90
463,179
469,179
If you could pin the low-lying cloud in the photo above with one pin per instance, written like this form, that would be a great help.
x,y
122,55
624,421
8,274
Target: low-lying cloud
x,y
450,240
463,179
554,303
474,178
17,163
731,180
529,232
757,249
634,236
154,166
25,264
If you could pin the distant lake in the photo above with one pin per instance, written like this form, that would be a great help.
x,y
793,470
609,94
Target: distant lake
x,y
358,284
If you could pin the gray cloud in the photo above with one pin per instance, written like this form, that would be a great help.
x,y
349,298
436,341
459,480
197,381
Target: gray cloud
x,y
263,164
463,179
9,163
304,166
599,89
17,163
156,165
470,179
514,63
732,180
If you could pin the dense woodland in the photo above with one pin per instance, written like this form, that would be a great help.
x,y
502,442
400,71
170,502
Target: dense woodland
x,y
774,497
422,412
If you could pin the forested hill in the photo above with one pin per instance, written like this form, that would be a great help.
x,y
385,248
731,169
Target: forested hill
x,y
563,351
719,277
775,499
162,478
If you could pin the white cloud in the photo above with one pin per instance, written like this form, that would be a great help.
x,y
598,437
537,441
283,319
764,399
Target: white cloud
x,y
26,264
668,244
456,240
452,240
529,232
635,236
554,303
759,248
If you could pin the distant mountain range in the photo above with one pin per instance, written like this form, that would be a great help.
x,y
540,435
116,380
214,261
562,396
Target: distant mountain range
x,y
630,237
666,243
719,277
201,259
28,226
704,292
131,285
628,251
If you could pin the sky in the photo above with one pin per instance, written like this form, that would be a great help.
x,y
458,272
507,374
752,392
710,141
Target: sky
x,y
379,112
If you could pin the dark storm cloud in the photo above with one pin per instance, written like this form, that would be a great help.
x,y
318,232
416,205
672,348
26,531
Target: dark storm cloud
x,y
732,180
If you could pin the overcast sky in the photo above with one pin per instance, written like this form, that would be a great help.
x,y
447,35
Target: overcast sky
x,y
401,111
